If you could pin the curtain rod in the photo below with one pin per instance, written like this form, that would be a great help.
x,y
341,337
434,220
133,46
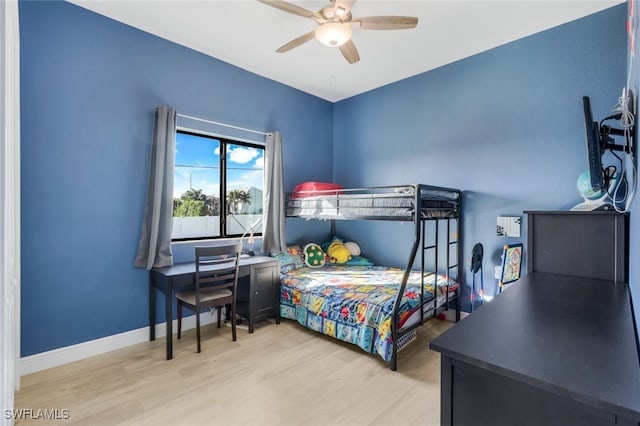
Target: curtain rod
x,y
222,124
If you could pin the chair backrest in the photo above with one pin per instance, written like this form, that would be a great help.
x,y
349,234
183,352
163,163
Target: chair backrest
x,y
218,265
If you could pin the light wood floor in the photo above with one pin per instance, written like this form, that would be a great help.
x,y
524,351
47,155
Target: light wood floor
x,y
279,375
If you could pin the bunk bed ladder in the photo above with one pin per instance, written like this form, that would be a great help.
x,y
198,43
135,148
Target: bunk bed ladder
x,y
435,269
451,262
456,241
425,250
450,243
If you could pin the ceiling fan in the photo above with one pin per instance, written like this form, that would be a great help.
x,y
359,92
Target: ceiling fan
x,y
335,25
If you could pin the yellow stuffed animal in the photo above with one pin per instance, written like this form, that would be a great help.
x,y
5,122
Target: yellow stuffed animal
x,y
338,253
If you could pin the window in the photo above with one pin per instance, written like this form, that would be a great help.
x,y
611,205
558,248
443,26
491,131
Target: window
x,y
206,167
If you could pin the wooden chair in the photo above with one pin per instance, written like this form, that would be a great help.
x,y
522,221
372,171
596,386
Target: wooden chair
x,y
216,283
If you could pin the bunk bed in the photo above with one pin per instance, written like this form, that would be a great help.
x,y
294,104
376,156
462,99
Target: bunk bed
x,y
389,303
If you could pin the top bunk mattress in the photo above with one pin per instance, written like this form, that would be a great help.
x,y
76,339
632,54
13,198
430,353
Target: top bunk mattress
x,y
383,203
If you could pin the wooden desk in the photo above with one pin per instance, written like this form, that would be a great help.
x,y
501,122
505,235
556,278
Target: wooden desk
x,y
258,291
550,350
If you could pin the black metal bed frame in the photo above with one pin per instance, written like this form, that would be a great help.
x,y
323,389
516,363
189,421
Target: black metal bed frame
x,y
430,204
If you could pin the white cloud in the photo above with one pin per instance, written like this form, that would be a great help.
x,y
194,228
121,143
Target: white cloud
x,y
243,155
246,180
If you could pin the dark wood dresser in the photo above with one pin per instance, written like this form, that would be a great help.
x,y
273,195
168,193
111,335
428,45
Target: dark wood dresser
x,y
559,346
580,244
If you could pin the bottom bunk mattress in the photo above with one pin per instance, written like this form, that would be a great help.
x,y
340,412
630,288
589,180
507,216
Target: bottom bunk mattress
x,y
355,303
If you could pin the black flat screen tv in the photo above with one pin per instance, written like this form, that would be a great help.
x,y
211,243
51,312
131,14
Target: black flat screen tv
x,y
595,149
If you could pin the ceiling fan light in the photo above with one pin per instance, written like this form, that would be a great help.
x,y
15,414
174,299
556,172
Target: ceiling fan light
x,y
333,34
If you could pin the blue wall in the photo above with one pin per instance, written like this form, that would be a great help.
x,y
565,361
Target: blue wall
x,y
89,86
506,126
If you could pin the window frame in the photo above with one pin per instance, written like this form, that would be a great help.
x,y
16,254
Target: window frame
x,y
225,141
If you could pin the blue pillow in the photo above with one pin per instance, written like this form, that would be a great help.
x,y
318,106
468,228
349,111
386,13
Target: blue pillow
x,y
359,261
290,259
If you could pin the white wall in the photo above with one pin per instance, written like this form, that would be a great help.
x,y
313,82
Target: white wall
x,y
194,227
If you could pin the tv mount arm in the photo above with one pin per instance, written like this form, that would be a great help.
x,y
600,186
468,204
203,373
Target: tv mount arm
x,y
608,142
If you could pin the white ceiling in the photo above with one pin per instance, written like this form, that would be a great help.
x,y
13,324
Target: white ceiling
x,y
246,33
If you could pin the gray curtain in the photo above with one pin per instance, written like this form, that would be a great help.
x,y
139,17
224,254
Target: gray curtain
x,y
154,248
274,214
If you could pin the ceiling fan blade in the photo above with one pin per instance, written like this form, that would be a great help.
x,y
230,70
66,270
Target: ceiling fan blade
x,y
296,42
292,8
387,22
350,52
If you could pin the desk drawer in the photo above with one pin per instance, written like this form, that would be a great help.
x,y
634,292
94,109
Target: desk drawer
x,y
183,280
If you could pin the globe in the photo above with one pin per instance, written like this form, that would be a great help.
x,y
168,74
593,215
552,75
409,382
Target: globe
x,y
585,189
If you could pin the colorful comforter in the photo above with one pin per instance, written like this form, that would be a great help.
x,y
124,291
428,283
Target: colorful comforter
x,y
353,303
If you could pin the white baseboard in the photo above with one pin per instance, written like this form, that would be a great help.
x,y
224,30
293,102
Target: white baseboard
x,y
61,356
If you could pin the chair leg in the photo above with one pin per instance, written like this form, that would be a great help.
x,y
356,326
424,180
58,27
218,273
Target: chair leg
x,y
198,328
233,320
219,308
179,320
